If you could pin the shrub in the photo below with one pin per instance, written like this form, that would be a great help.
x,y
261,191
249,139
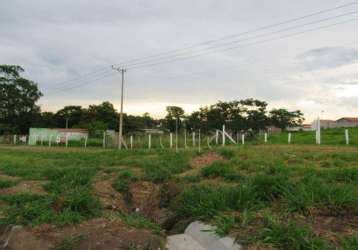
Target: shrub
x,y
121,184
220,169
7,183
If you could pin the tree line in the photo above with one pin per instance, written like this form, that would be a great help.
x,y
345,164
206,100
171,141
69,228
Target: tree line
x,y
19,111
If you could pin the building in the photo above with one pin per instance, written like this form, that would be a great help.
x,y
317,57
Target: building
x,y
346,122
324,124
57,135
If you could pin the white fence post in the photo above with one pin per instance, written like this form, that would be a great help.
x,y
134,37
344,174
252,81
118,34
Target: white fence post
x,y
185,142
131,141
49,140
243,139
171,140
86,138
318,131
149,141
104,140
199,140
66,140
193,134
217,137
15,139
289,138
347,136
265,137
223,135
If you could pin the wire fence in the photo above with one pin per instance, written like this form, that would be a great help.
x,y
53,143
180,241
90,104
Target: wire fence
x,y
184,140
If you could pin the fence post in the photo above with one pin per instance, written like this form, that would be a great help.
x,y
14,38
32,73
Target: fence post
x,y
223,135
199,141
149,141
289,138
217,137
243,139
171,140
185,143
318,131
131,141
265,137
193,134
86,138
66,140
104,140
347,136
15,139
49,140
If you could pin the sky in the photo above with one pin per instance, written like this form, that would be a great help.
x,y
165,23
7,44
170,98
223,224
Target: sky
x,y
189,53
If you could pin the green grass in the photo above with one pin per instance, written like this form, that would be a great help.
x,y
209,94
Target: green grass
x,y
335,136
268,194
7,183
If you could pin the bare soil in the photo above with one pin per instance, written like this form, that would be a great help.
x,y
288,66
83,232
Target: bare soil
x,y
108,196
200,161
100,234
32,187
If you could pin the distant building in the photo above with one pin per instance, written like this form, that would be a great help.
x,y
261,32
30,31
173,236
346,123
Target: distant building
x,y
303,127
346,122
56,134
324,124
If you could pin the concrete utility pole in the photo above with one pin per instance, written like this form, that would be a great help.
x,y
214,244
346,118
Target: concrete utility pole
x,y
120,134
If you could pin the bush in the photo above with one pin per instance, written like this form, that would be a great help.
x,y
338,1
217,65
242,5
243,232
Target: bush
x,y
121,184
220,169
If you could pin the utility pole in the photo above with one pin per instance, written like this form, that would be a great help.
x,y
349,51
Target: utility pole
x,y
120,134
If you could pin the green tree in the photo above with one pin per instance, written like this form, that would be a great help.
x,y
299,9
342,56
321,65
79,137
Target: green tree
x,y
74,115
174,115
282,118
18,97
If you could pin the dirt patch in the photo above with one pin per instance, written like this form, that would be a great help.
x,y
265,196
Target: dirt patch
x,y
205,159
31,187
8,177
108,196
93,234
333,228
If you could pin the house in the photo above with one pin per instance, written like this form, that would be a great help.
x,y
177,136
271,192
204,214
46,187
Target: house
x,y
303,127
56,134
324,124
346,122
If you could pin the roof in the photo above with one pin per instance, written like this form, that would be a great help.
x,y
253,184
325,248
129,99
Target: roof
x,y
349,119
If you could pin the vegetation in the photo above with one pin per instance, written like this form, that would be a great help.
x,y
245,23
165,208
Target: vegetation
x,y
284,197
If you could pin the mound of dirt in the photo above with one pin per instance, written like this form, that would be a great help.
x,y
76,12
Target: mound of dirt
x,y
108,196
98,234
31,187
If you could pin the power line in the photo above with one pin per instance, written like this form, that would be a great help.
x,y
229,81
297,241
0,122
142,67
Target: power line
x,y
240,34
182,50
254,37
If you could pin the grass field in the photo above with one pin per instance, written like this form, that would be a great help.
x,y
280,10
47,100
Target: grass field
x,y
334,136
266,196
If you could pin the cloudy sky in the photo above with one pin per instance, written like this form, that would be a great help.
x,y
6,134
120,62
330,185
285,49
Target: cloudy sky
x,y
188,52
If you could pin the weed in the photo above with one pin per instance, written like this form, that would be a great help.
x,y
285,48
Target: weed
x,y
137,220
350,243
223,224
69,243
288,235
227,153
220,169
121,184
268,188
7,183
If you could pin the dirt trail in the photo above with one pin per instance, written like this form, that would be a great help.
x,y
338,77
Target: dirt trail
x,y
28,187
108,196
203,160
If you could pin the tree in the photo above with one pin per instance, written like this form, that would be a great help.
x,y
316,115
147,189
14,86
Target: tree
x,y
73,115
174,114
18,97
104,112
282,118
